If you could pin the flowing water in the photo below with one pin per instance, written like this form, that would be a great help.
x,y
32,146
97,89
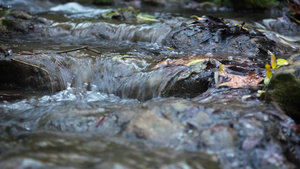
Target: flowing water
x,y
77,121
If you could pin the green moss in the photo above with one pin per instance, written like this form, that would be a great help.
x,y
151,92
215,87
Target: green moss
x,y
4,23
4,12
285,89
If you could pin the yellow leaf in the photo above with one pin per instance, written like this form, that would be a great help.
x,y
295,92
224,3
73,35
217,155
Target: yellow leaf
x,y
242,26
267,81
273,59
221,68
145,17
268,74
282,62
169,48
197,17
261,92
195,62
268,71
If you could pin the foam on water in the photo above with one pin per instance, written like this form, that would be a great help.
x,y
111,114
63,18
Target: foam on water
x,y
75,10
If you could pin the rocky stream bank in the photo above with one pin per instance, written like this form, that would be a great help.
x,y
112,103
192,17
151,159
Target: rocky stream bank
x,y
170,93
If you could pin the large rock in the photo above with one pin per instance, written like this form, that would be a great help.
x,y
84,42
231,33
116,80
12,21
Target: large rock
x,y
18,23
282,25
285,87
215,36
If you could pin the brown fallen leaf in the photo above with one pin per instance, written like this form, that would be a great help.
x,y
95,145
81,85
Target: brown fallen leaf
x,y
238,81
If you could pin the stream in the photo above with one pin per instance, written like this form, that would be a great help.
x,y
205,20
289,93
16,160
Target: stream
x,y
82,91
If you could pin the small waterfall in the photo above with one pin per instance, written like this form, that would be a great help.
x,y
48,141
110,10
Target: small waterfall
x,y
154,33
123,75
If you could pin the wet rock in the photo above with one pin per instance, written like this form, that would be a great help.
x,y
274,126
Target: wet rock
x,y
193,117
23,163
23,72
16,75
148,125
176,80
112,165
31,6
284,88
270,158
283,26
18,22
215,36
197,118
218,138
170,123
240,134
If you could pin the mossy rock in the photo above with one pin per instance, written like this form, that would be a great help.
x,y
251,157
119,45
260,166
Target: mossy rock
x,y
285,89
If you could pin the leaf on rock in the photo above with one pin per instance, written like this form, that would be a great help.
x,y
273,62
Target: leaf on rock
x,y
197,18
273,59
238,81
193,62
282,62
268,71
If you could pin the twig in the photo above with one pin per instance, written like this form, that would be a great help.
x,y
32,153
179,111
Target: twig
x,y
80,48
93,50
71,50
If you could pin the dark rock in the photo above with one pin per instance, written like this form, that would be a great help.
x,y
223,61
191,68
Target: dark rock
x,y
215,36
283,25
31,6
24,73
18,23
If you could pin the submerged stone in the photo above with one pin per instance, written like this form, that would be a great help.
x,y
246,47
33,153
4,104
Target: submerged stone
x,y
218,138
148,125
